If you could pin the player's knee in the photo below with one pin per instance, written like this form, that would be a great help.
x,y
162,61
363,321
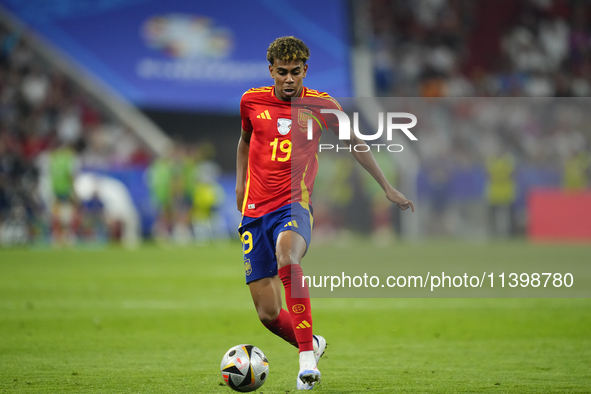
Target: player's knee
x,y
286,259
268,315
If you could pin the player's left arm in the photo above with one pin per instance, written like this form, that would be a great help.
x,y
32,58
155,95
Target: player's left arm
x,y
368,161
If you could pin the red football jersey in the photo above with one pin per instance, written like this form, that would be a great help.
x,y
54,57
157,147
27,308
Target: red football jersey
x,y
282,162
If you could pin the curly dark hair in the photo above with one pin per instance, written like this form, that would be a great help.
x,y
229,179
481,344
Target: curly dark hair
x,y
288,48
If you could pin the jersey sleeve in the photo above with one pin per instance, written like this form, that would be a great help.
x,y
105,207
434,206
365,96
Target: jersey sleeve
x,y
245,114
332,121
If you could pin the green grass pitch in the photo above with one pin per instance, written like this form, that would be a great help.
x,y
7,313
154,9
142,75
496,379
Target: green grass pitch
x,y
158,320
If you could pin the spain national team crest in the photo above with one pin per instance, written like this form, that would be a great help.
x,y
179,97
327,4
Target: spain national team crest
x,y
283,126
247,267
303,115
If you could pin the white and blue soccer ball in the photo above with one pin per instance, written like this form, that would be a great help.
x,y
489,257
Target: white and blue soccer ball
x,y
244,368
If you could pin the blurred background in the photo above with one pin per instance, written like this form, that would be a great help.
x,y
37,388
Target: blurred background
x,y
119,120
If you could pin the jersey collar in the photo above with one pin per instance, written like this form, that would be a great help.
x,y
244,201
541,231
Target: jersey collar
x,y
273,92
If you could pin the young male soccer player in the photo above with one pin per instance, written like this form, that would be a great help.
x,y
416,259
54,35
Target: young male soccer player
x,y
273,186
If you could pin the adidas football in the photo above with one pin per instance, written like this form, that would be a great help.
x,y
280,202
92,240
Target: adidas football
x,y
244,368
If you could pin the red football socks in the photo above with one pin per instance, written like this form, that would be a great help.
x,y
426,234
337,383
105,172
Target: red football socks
x,y
283,328
298,307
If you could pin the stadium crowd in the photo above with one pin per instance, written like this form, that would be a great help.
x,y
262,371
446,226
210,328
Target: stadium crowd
x,y
51,132
460,48
521,50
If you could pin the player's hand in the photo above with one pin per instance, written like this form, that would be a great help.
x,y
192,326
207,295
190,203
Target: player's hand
x,y
239,198
398,198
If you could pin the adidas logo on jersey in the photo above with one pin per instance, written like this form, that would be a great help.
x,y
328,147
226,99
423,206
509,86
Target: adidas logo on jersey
x,y
264,115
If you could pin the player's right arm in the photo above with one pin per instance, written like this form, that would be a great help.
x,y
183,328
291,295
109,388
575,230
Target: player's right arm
x,y
368,161
242,166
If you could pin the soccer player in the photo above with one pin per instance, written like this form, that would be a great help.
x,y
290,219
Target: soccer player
x,y
274,182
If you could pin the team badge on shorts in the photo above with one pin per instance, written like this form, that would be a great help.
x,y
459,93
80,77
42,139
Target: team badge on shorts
x,y
283,125
247,267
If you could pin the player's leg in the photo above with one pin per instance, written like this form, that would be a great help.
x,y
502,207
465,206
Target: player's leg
x,y
266,295
260,266
290,248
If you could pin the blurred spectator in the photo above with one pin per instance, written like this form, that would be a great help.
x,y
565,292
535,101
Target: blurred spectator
x,y
208,196
35,87
183,170
160,179
501,192
63,168
576,171
185,190
120,214
439,172
93,226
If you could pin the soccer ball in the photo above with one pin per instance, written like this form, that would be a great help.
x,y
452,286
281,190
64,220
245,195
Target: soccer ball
x,y
244,368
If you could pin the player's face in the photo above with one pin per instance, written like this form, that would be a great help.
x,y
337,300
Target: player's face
x,y
289,78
